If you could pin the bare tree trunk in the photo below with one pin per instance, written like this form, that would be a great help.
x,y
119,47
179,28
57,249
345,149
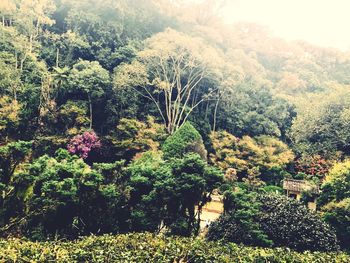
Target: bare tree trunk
x,y
90,108
215,113
16,62
206,110
57,54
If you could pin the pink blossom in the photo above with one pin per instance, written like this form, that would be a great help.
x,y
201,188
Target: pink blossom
x,y
84,143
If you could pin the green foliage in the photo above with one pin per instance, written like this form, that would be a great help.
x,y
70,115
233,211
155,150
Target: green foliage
x,y
248,109
272,219
337,215
334,200
73,117
185,139
12,154
171,63
192,183
9,116
288,223
167,192
322,128
134,137
86,200
261,157
91,79
149,248
241,222
336,185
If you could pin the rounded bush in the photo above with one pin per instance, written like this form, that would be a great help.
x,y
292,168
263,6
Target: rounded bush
x,y
186,139
284,221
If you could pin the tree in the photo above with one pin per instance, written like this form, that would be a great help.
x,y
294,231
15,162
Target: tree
x,y
30,19
313,165
249,108
134,137
334,200
190,185
165,193
7,8
186,139
240,223
90,78
10,82
9,116
263,155
60,77
306,230
169,72
72,117
87,200
12,154
337,213
146,209
322,128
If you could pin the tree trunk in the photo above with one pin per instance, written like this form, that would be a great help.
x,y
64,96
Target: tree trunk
x,y
90,109
57,54
30,44
215,113
16,62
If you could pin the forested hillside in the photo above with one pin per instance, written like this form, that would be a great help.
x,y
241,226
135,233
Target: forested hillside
x,y
122,116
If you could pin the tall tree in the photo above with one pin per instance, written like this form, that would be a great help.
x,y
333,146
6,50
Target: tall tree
x,y
31,17
91,78
169,72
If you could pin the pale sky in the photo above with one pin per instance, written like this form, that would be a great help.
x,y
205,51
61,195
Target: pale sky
x,y
321,22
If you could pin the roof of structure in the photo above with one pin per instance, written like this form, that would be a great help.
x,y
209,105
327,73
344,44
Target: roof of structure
x,y
300,186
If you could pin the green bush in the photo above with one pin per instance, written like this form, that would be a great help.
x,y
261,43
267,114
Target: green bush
x,y
186,139
334,201
257,219
291,224
146,247
63,196
240,224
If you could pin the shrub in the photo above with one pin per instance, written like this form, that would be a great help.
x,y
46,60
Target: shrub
x,y
337,214
289,223
149,248
240,224
63,196
83,144
285,222
186,139
334,201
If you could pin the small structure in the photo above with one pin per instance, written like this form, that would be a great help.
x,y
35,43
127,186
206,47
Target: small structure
x,y
295,188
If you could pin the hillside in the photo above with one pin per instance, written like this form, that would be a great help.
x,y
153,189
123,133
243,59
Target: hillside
x,y
128,116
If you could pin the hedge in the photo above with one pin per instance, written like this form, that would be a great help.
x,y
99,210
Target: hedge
x,y
145,247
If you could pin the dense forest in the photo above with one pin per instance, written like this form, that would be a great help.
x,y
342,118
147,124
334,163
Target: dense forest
x,y
121,116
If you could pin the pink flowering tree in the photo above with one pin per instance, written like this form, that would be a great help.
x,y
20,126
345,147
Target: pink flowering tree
x,y
82,144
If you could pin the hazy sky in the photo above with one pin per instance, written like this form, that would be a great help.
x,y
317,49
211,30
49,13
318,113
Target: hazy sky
x,y
321,22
